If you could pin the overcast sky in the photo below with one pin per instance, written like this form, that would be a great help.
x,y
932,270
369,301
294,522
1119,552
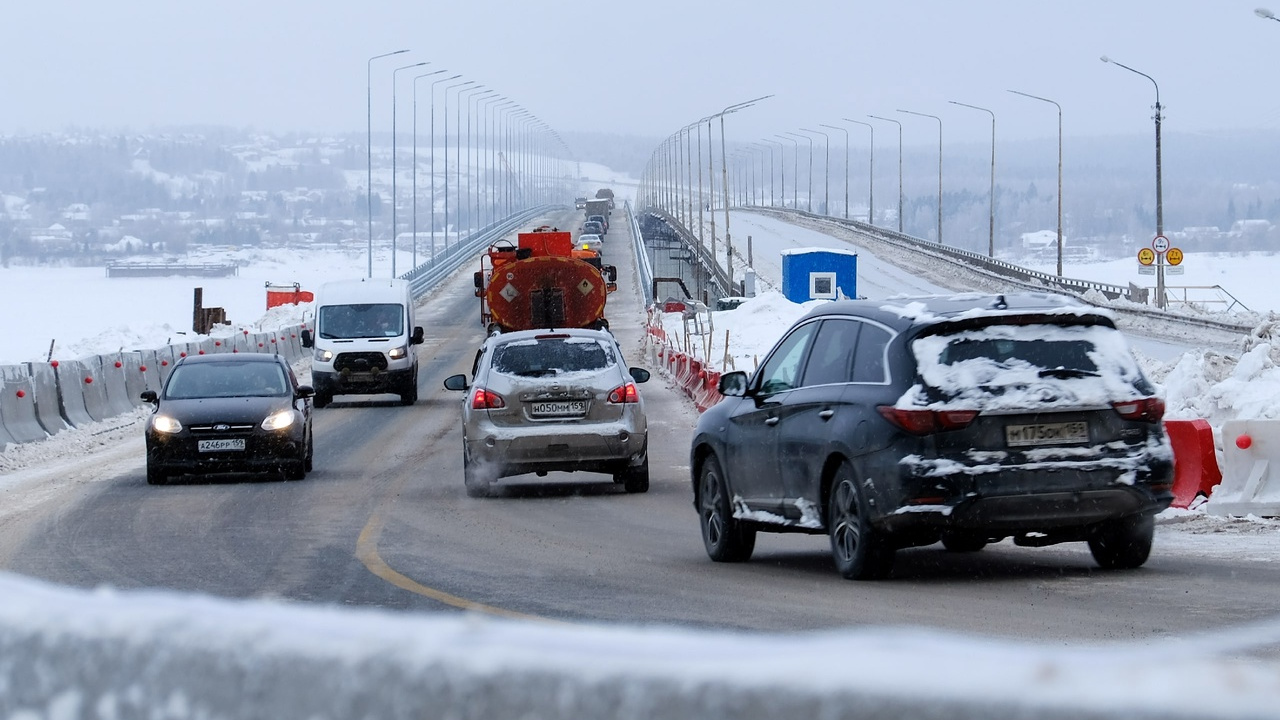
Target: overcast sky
x,y
646,67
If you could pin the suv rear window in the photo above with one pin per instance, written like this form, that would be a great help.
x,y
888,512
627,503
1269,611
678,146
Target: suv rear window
x,y
1025,366
551,356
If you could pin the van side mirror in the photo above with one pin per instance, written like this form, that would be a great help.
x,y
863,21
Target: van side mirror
x,y
418,335
308,340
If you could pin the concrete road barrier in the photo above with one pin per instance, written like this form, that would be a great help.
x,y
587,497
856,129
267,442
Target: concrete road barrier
x,y
92,388
72,406
1251,470
48,404
112,374
18,405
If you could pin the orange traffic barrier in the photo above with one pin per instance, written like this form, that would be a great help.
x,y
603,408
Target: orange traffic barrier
x,y
1195,464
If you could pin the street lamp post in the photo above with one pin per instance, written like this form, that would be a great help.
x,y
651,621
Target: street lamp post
x,y
1266,14
395,228
795,173
826,170
871,171
369,145
447,88
808,203
846,165
782,173
935,117
724,182
415,161
457,116
1159,189
433,159
899,124
473,157
991,231
1051,102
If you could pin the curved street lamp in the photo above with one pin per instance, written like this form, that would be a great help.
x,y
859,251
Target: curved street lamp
x,y
782,171
935,117
1051,102
846,164
826,170
433,159
368,192
447,88
415,162
1266,14
395,227
871,173
809,190
899,124
1159,189
991,236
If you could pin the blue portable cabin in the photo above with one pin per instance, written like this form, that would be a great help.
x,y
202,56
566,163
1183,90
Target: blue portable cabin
x,y
819,274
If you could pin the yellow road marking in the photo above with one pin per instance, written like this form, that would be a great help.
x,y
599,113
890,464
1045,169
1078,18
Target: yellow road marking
x,y
367,552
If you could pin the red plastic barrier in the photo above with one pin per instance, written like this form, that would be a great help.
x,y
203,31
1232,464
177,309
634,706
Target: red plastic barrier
x,y
710,394
681,369
693,380
1195,464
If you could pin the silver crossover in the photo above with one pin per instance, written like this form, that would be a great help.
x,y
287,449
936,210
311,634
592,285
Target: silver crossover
x,y
544,400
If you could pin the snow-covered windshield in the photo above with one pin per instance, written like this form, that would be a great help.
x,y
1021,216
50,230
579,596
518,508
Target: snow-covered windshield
x,y
551,356
365,320
1022,366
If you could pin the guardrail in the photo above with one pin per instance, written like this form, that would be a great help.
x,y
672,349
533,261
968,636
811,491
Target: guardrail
x,y
428,274
1009,272
643,268
717,275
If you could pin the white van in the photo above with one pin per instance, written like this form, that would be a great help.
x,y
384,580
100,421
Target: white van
x,y
363,340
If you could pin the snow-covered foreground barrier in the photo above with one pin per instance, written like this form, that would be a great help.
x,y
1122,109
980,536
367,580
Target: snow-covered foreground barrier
x,y
72,654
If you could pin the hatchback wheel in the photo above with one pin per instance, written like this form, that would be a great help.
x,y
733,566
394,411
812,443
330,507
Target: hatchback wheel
x,y
725,538
861,552
1125,543
308,463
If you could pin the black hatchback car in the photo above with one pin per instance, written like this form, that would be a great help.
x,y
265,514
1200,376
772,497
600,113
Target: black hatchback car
x,y
964,419
229,413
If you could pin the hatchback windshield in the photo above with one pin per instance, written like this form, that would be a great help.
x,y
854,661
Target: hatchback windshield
x,y
551,356
227,379
366,320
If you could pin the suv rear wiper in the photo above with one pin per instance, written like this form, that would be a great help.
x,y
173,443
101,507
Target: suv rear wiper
x,y
1066,373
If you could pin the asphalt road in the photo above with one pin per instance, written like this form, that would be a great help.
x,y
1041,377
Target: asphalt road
x,y
384,522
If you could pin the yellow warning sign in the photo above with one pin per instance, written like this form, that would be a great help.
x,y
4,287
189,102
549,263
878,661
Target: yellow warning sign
x,y
1174,256
1146,256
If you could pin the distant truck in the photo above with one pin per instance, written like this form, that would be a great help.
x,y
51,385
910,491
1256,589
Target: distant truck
x,y
598,206
605,194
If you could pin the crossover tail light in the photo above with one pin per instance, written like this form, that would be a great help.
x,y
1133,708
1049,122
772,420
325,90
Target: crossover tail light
x,y
1148,409
483,399
624,394
924,422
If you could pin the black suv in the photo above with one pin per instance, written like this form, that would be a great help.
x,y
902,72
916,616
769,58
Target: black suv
x,y
964,419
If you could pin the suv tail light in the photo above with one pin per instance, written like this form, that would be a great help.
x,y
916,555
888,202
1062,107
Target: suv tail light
x,y
624,394
924,422
1148,409
483,399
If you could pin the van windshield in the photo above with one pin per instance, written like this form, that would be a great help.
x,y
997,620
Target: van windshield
x,y
365,320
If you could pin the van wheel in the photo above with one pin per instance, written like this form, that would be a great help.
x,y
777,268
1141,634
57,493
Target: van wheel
x,y
410,394
860,550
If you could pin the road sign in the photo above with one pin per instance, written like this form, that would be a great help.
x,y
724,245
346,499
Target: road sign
x,y
1146,270
1174,256
1146,256
1175,270
1160,243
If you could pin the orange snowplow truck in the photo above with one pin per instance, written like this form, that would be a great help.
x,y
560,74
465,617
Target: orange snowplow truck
x,y
543,282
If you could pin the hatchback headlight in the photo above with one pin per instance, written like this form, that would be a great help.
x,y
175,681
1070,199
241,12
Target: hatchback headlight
x,y
324,355
278,420
397,353
166,424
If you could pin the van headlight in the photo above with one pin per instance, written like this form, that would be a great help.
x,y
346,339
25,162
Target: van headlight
x,y
397,353
323,355
278,420
166,424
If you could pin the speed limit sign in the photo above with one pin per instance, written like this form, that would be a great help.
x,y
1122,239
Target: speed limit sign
x,y
1160,244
